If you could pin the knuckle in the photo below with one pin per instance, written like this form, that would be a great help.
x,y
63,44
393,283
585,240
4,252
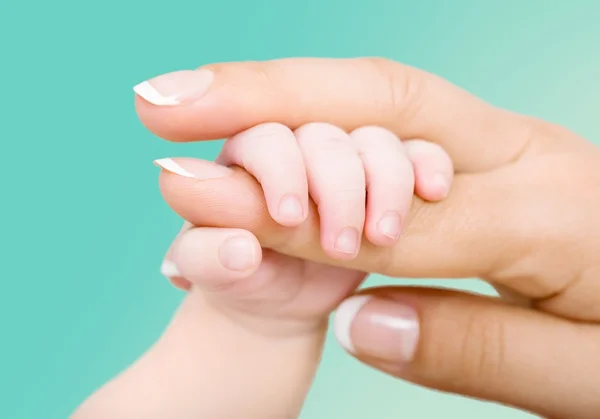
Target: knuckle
x,y
269,131
539,136
399,88
340,200
399,195
319,131
269,75
273,128
474,357
383,66
246,148
324,141
481,350
537,129
423,147
335,145
393,174
384,258
392,184
372,131
376,140
424,154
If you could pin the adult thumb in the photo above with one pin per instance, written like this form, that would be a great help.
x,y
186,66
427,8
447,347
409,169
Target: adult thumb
x,y
476,346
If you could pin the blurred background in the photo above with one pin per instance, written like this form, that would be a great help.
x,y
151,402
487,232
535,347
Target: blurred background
x,y
83,227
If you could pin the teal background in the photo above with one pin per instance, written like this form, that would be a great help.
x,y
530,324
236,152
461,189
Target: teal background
x,y
83,227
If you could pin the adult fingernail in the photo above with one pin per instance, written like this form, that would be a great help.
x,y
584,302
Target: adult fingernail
x,y
378,328
347,241
238,254
169,269
389,225
193,168
176,88
290,208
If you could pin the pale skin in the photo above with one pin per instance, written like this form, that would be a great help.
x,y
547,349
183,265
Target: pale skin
x,y
522,214
248,338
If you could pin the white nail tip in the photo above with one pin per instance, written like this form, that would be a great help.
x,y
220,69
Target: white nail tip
x,y
169,269
171,166
344,317
149,93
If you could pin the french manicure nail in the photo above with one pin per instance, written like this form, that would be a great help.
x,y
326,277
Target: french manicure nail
x,y
237,254
176,88
193,168
389,225
378,328
169,269
347,241
344,317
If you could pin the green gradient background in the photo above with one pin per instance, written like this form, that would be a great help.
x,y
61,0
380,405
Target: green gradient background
x,y
83,225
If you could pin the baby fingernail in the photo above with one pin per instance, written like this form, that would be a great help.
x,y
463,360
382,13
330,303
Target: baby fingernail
x,y
378,328
175,88
238,254
440,180
192,168
290,208
389,225
347,241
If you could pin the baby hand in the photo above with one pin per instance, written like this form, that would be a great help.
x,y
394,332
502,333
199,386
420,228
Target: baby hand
x,y
362,183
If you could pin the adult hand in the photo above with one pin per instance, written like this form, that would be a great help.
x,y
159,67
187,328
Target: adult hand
x,y
521,215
